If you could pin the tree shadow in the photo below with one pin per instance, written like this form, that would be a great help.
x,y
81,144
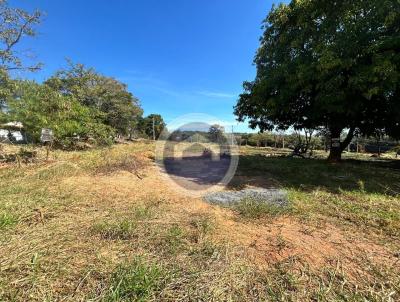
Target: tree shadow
x,y
196,172
372,176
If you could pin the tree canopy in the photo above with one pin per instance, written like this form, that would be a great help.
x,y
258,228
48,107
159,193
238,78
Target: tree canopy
x,y
332,64
146,125
120,108
39,106
216,133
76,102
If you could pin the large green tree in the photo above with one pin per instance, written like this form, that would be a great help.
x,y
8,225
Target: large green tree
x,y
331,64
39,106
121,109
152,125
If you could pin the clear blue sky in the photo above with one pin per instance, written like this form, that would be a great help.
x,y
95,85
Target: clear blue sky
x,y
176,56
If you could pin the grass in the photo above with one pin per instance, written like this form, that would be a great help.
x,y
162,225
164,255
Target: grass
x,y
75,229
7,220
308,174
129,225
363,193
204,225
174,239
135,281
373,212
123,230
252,208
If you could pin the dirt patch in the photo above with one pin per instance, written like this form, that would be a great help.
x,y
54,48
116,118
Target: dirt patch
x,y
266,242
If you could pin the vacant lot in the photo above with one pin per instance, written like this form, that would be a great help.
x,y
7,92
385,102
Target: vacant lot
x,y
102,225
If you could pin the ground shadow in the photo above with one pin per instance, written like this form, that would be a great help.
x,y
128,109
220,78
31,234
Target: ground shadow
x,y
196,172
377,176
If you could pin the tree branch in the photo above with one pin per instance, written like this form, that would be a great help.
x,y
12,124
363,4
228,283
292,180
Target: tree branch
x,y
20,32
348,138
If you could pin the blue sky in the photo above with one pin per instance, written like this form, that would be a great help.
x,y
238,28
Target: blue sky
x,y
176,56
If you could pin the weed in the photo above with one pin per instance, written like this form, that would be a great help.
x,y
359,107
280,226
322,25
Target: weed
x,y
254,208
123,230
136,281
203,225
7,220
206,250
174,239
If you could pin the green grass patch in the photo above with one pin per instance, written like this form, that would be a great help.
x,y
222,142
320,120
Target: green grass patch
x,y
377,212
7,220
252,208
121,230
136,281
174,239
309,174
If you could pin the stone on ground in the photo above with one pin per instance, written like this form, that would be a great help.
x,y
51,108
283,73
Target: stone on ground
x,y
276,197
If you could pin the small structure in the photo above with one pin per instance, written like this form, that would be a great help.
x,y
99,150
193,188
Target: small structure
x,y
12,132
46,136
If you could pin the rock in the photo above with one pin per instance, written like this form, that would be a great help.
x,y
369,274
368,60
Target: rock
x,y
227,198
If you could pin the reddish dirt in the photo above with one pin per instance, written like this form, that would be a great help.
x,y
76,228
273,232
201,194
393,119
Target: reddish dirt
x,y
264,242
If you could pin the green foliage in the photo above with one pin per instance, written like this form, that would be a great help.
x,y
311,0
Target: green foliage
x,y
146,125
327,64
120,109
39,106
216,133
7,87
261,139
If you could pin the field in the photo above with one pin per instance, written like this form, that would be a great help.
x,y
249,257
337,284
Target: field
x,y
102,225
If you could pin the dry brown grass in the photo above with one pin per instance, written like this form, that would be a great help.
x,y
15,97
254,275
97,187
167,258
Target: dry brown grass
x,y
80,235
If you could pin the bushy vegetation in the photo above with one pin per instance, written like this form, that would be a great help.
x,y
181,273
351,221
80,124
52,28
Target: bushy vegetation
x,y
327,64
39,106
77,103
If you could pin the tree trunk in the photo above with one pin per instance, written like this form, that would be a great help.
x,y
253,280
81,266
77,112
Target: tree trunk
x,y
337,147
335,155
335,152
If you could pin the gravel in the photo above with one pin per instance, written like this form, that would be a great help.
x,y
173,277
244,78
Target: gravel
x,y
276,197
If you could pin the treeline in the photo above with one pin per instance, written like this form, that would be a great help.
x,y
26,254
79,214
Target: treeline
x,y
277,140
315,141
77,103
